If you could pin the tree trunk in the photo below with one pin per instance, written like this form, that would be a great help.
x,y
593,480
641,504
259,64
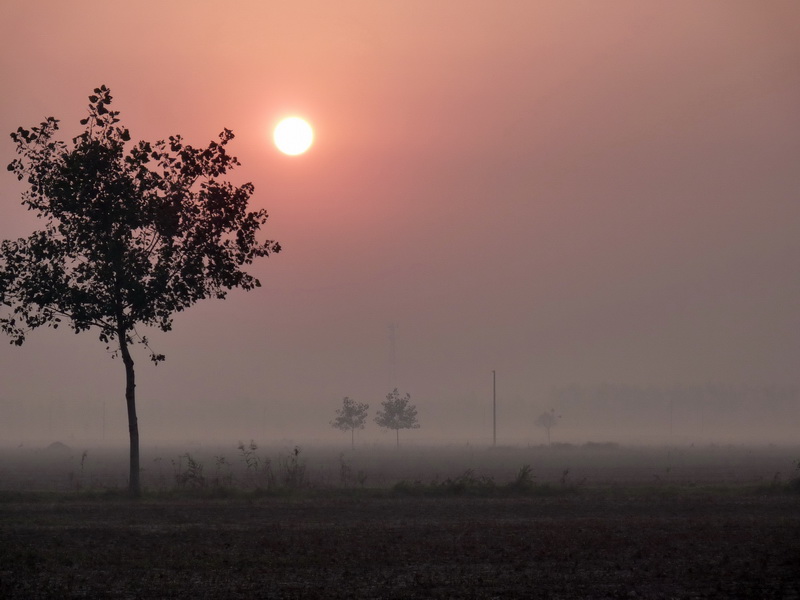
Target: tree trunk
x,y
397,431
133,424
352,438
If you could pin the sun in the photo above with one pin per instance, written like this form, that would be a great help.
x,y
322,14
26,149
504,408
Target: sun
x,y
293,136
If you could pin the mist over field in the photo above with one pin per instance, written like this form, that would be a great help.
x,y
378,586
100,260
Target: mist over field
x,y
598,201
680,415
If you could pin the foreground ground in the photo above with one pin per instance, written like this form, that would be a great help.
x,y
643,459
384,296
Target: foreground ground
x,y
594,543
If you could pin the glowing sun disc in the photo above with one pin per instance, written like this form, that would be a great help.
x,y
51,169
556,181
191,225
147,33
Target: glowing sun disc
x,y
293,136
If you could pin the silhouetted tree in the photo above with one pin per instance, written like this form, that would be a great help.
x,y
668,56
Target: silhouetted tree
x,y
397,413
547,420
352,416
130,236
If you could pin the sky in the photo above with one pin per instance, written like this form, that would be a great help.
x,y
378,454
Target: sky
x,y
563,192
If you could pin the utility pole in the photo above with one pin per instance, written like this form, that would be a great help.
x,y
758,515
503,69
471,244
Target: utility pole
x,y
494,408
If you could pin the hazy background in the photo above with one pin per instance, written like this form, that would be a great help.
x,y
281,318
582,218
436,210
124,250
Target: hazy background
x,y
576,194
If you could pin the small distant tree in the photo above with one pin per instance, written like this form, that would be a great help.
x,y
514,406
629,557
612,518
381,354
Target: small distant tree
x,y
396,413
131,236
352,416
547,420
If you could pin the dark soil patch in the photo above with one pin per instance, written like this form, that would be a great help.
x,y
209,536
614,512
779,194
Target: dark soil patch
x,y
585,545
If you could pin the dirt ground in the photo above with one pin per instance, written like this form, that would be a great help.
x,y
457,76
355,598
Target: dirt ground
x,y
585,545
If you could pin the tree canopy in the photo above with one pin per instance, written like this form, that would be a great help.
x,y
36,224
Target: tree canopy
x,y
397,413
351,416
547,420
131,235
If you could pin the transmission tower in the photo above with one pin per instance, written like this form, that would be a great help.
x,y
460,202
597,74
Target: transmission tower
x,y
392,355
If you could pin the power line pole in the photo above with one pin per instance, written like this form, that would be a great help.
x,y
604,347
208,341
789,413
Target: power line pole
x,y
494,408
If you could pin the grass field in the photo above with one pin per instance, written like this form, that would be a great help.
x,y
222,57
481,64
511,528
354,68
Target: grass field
x,y
595,521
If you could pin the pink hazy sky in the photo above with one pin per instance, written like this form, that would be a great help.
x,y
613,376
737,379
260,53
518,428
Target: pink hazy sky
x,y
561,191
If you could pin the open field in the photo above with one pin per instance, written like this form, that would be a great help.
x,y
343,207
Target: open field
x,y
698,545
467,523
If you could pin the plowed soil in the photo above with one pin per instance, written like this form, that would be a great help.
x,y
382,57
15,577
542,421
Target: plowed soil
x,y
584,545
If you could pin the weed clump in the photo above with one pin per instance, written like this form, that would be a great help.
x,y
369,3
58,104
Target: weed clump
x,y
192,476
794,484
258,470
524,481
346,476
294,470
470,484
